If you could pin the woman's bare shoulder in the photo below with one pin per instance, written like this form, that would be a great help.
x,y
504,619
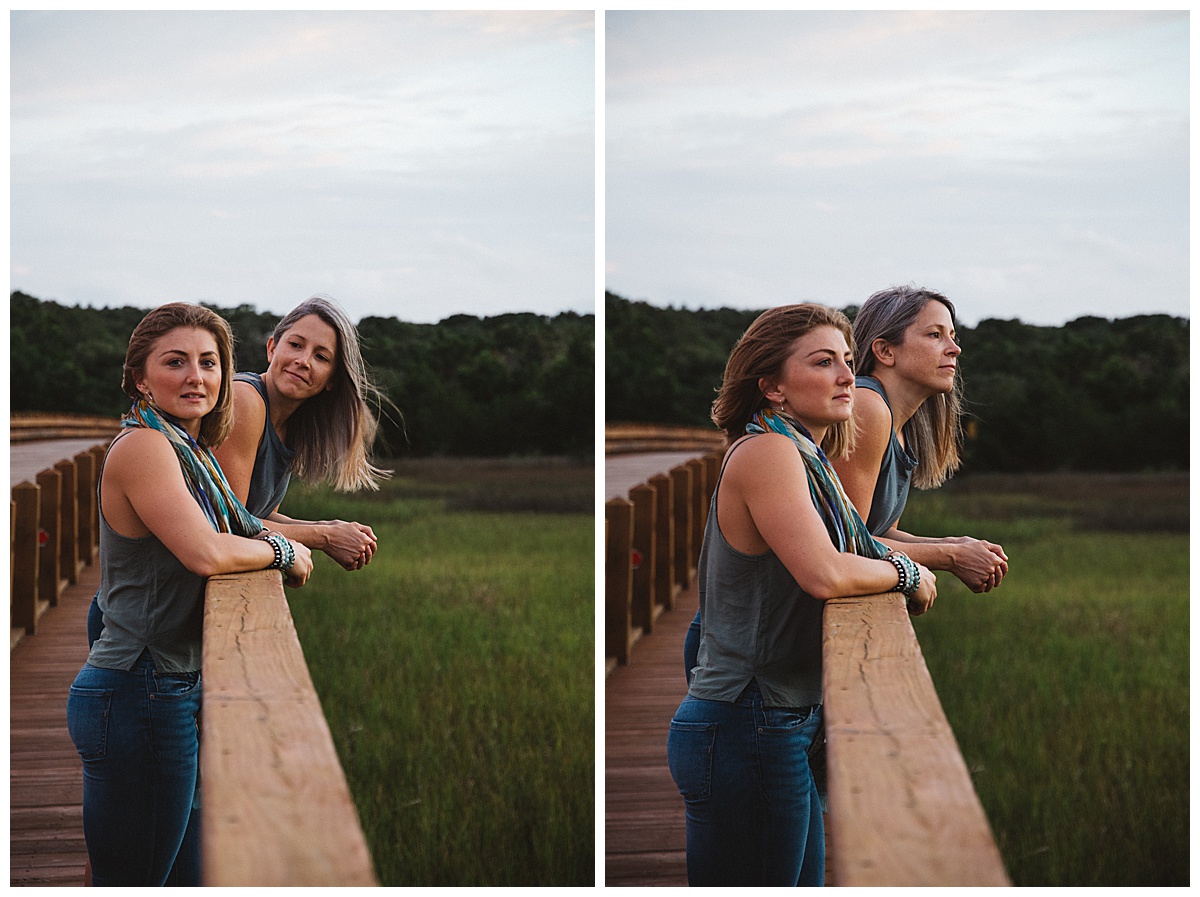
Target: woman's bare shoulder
x,y
871,411
249,411
138,449
755,454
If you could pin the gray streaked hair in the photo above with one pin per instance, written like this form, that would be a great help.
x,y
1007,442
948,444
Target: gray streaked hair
x,y
333,432
934,433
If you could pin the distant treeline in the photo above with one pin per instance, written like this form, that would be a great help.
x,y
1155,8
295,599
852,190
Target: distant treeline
x,y
1091,395
514,384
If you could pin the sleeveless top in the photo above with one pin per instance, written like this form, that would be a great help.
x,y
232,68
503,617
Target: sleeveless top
x,y
756,623
895,473
272,463
150,601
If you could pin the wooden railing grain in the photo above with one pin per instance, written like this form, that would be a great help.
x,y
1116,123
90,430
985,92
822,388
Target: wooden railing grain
x,y
902,808
275,806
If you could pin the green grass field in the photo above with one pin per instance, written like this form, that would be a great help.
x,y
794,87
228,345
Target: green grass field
x,y
1067,687
457,670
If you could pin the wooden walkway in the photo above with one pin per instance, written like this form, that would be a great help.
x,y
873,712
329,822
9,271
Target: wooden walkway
x,y
45,772
46,846
644,832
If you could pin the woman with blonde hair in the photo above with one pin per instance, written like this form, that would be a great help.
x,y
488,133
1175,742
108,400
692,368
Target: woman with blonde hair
x,y
168,521
308,414
781,538
907,412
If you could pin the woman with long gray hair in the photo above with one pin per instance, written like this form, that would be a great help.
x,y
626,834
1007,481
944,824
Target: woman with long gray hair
x,y
308,414
907,419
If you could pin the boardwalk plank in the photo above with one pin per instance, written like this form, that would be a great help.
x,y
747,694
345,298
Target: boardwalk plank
x,y
46,846
644,833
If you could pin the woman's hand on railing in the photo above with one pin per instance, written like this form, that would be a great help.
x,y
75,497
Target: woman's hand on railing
x,y
922,599
297,574
980,565
350,544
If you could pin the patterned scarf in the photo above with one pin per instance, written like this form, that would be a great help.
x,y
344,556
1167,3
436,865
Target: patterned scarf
x,y
845,527
203,475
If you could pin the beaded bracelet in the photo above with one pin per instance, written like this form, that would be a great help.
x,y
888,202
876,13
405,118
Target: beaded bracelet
x,y
909,573
285,554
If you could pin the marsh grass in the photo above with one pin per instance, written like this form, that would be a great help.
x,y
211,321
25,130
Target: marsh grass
x,y
1067,687
456,670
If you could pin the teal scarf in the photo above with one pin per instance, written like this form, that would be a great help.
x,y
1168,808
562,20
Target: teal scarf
x,y
201,471
846,529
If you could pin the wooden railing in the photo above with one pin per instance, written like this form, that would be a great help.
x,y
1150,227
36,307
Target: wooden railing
x,y
622,438
652,544
902,807
275,807
32,426
54,534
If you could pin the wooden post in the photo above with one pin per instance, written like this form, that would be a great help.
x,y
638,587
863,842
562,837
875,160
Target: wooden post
x,y
49,525
644,602
275,806
85,466
618,579
25,610
902,809
682,478
68,545
664,538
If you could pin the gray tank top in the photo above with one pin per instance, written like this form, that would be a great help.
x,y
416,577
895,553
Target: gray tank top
x,y
150,601
272,463
756,623
895,473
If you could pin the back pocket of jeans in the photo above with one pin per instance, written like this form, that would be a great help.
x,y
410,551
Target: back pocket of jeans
x,y
87,720
690,757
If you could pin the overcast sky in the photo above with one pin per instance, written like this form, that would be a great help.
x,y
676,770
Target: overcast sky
x,y
1029,165
410,164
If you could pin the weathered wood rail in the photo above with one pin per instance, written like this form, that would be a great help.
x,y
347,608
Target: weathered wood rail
x,y
622,438
652,544
53,535
902,808
34,426
275,806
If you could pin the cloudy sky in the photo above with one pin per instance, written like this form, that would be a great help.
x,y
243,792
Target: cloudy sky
x,y
1027,164
414,165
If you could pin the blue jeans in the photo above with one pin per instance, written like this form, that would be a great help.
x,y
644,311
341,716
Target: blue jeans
x,y
752,809
137,733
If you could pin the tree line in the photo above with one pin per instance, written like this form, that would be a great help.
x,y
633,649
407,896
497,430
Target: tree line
x,y
1091,395
509,385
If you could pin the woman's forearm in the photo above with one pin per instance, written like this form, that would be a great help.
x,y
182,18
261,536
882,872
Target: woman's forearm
x,y
313,533
936,554
227,553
